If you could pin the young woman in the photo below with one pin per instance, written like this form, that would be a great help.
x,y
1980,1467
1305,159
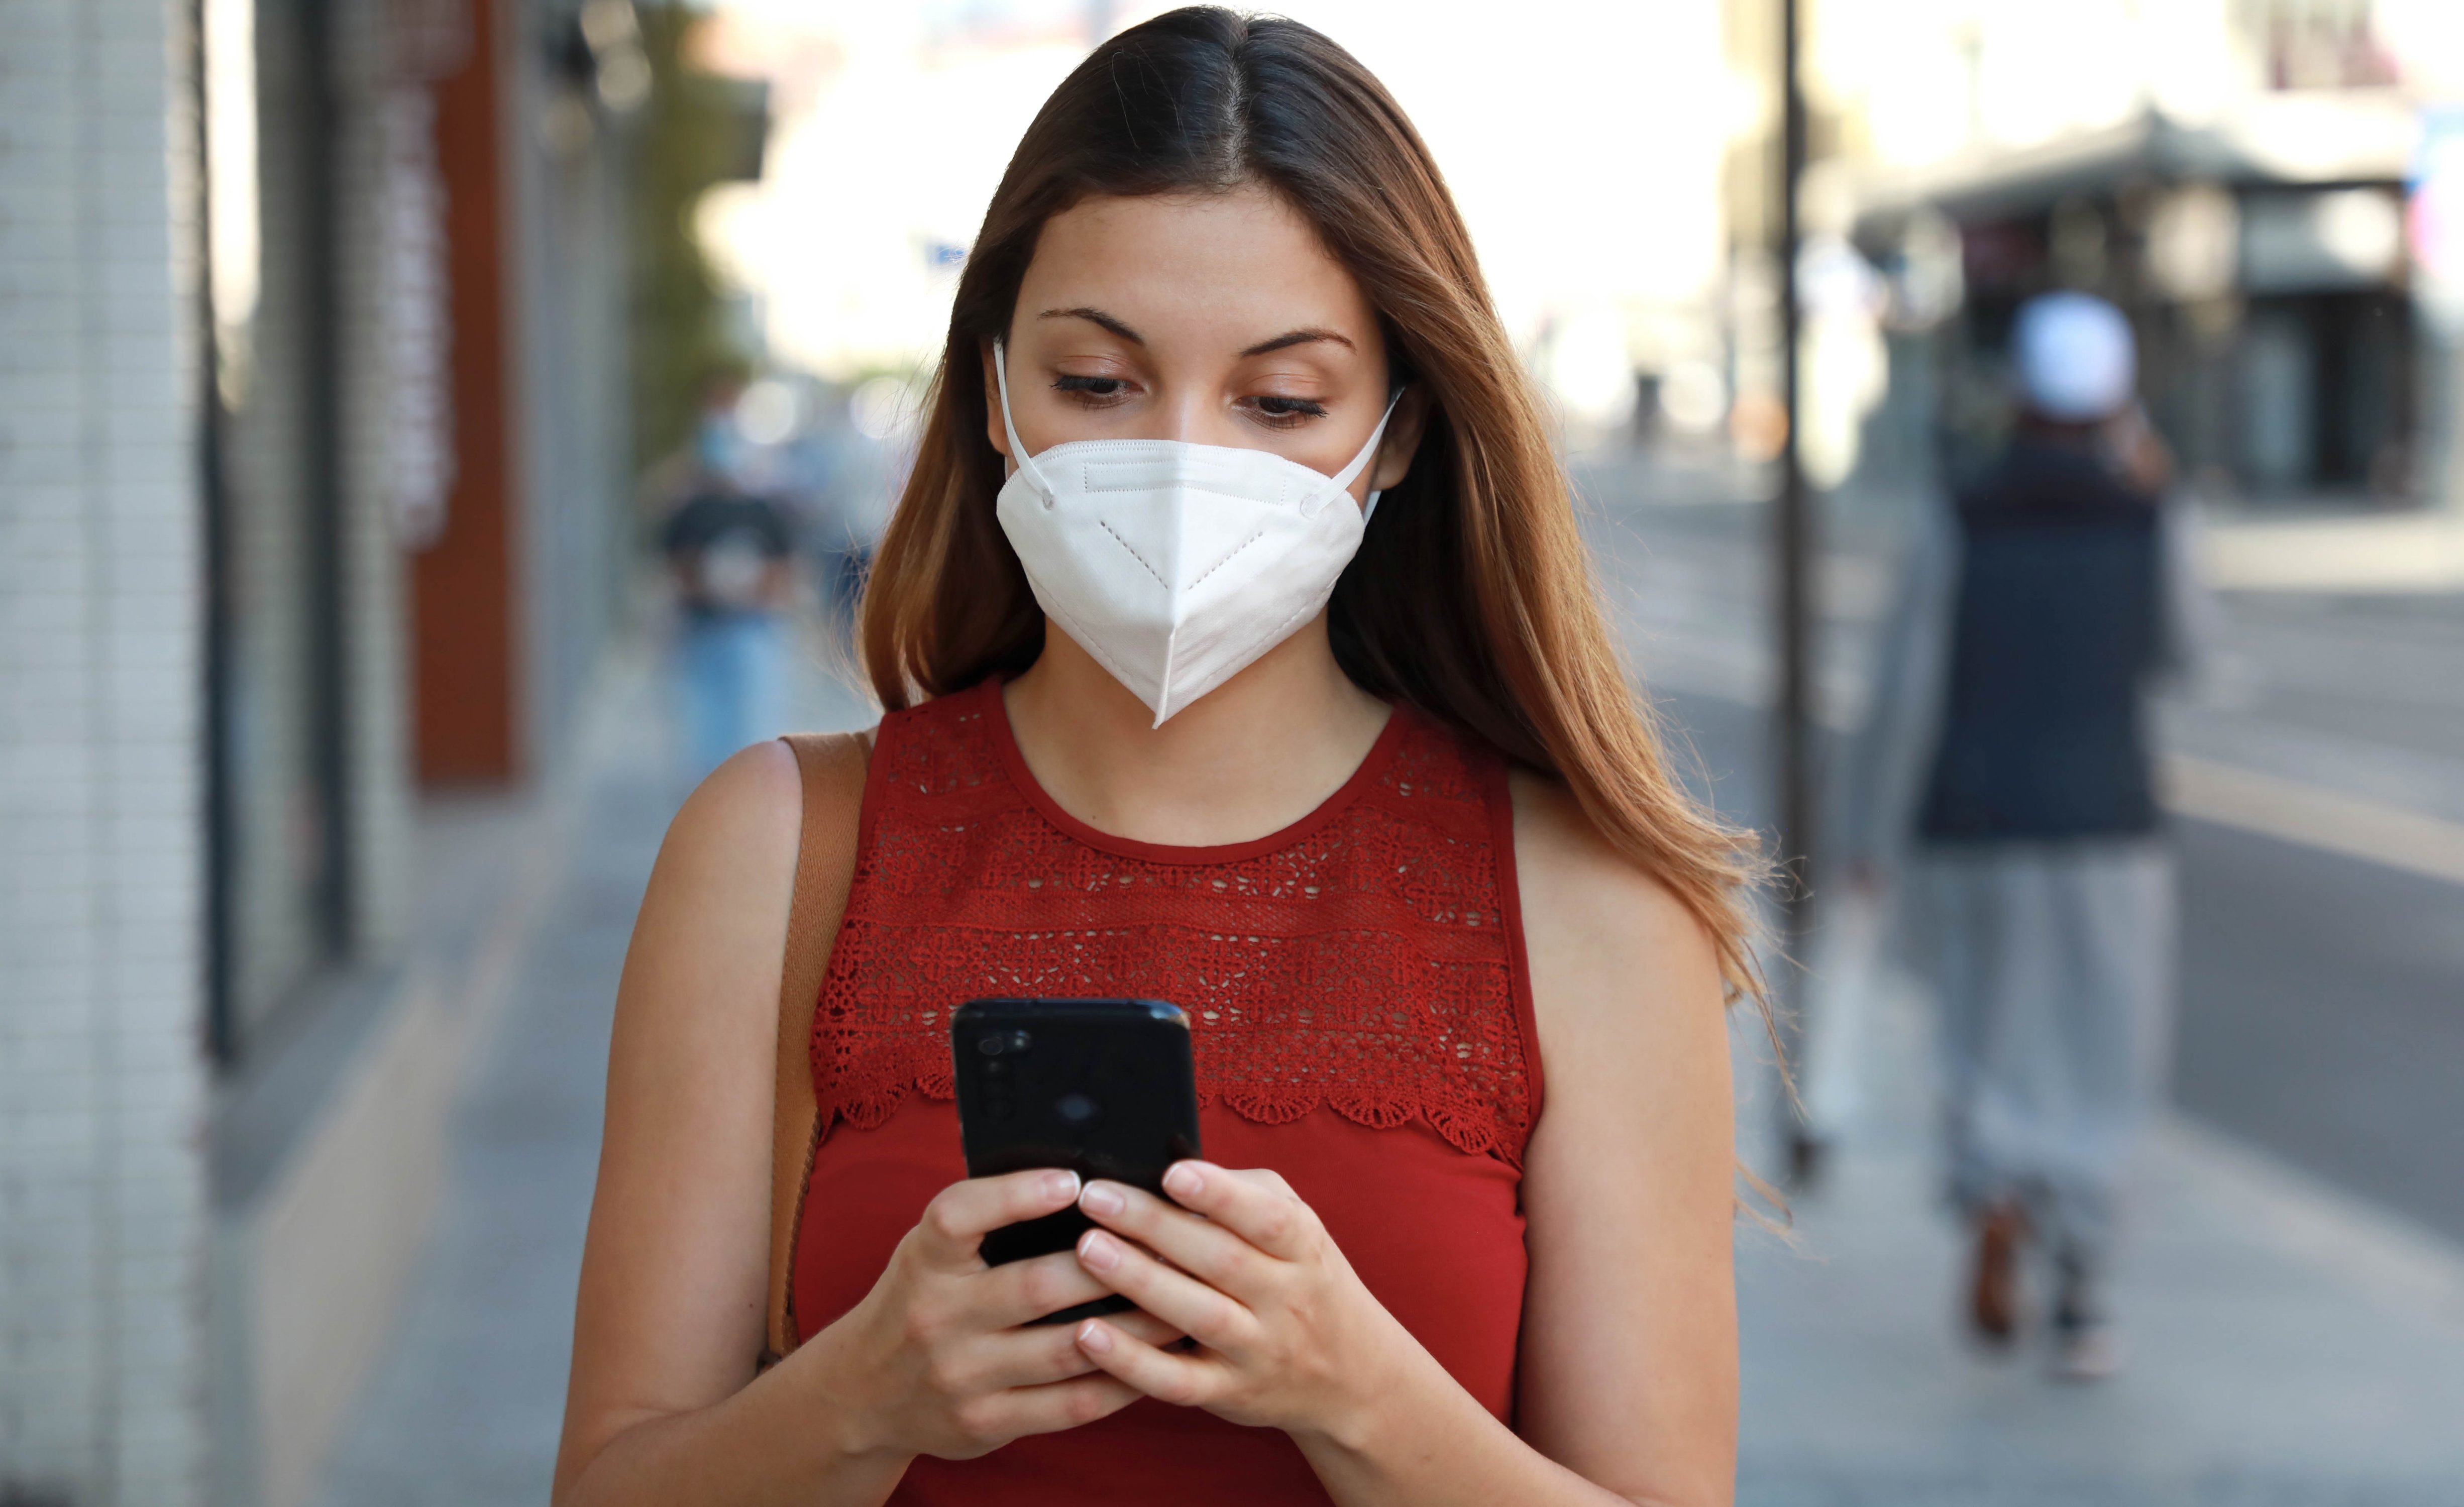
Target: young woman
x,y
1241,652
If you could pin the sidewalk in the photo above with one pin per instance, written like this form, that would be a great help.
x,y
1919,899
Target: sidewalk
x,y
466,1410
2288,1345
2291,1347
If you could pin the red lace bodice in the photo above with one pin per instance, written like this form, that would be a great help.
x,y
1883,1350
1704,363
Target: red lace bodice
x,y
1361,1017
1366,958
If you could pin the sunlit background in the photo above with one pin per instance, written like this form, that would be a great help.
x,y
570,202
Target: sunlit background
x,y
1583,267
1616,188
358,358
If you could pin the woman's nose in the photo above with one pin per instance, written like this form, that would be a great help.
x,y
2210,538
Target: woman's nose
x,y
1188,417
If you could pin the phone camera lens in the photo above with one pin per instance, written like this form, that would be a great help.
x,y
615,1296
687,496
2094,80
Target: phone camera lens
x,y
990,1044
1020,1041
1075,1109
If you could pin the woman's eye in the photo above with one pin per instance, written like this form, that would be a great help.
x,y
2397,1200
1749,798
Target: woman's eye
x,y
1287,411
1090,386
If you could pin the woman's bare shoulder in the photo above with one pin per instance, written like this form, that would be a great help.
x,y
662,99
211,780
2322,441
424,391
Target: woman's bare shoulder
x,y
712,927
713,922
743,818
1592,914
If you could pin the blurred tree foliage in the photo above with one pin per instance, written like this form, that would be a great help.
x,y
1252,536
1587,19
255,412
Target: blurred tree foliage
x,y
698,131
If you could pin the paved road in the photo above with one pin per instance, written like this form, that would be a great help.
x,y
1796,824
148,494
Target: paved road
x,y
2322,1016
2323,998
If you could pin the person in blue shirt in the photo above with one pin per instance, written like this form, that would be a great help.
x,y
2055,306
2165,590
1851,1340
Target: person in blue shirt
x,y
729,551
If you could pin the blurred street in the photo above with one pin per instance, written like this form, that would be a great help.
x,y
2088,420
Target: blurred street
x,y
2294,1322
437,430
2329,700
2295,1287
466,1406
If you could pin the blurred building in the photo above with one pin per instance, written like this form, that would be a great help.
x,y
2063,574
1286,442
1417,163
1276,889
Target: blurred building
x,y
2260,184
313,453
2284,352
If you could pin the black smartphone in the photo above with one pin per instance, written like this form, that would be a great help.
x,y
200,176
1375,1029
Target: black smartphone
x,y
1103,1087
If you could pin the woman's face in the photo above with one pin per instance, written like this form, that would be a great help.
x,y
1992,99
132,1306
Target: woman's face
x,y
1215,319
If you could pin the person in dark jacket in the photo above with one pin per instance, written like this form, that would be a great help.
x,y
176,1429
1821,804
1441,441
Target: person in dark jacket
x,y
2005,777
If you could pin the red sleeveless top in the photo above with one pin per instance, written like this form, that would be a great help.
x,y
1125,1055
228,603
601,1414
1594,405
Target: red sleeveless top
x,y
1359,1010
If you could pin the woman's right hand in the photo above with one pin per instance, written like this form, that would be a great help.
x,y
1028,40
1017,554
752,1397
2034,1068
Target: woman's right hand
x,y
942,1357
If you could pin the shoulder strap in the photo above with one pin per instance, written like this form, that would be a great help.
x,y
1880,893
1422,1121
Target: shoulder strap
x,y
833,769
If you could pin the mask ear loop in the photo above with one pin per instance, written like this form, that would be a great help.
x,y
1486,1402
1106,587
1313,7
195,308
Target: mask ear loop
x,y
1017,450
1343,479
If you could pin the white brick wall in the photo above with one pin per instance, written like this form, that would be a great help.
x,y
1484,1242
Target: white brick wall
x,y
377,733
101,1081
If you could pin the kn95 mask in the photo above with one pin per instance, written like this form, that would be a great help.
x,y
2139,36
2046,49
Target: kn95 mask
x,y
1177,566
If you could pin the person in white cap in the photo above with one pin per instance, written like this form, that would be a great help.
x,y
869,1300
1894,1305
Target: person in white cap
x,y
2004,778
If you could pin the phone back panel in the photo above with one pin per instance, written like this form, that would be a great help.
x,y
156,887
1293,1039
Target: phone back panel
x,y
1104,1087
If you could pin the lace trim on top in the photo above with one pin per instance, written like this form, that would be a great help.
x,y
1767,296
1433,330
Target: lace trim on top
x,y
1367,958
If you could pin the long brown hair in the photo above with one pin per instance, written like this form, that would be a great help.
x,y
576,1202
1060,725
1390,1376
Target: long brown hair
x,y
1471,597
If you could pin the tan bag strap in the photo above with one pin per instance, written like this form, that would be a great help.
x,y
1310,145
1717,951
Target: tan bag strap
x,y
833,767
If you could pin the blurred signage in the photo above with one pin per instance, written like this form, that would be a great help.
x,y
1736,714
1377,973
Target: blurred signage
x,y
2434,214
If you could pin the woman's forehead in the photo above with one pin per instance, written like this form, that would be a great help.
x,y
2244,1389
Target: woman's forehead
x,y
1235,266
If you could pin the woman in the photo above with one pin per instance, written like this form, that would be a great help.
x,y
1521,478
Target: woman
x,y
1452,943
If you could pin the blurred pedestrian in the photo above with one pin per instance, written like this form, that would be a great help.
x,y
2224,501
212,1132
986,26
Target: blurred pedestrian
x,y
728,550
2005,775
858,475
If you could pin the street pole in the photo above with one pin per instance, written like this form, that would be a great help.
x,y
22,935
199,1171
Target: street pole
x,y
1792,551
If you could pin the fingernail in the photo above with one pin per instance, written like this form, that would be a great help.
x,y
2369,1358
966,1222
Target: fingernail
x,y
1098,1251
1099,1199
1061,1187
1092,1336
1185,1180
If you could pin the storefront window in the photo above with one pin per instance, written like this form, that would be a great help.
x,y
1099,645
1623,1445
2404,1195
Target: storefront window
x,y
273,652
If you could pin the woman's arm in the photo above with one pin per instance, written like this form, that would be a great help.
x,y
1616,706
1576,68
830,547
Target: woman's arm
x,y
673,1274
1629,1359
663,1406
1627,1387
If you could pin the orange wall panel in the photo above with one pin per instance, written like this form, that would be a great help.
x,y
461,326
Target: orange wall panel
x,y
465,684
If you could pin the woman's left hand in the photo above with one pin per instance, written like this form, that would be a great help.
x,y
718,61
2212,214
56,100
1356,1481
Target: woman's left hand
x,y
1286,1336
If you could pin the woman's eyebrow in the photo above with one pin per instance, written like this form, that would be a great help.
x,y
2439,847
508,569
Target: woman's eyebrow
x,y
1096,316
1293,338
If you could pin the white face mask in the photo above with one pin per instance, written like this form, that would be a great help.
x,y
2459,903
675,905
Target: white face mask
x,y
1176,565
